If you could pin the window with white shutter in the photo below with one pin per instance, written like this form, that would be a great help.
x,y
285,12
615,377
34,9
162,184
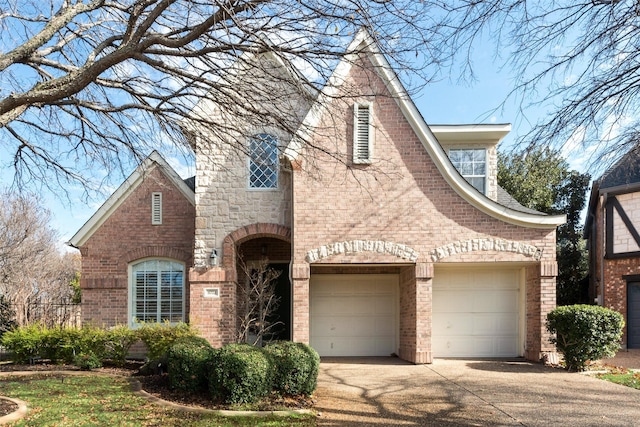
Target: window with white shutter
x,y
156,289
156,208
362,133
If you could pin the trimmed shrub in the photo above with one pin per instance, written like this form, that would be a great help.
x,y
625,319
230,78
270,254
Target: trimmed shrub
x,y
240,373
158,337
118,342
188,360
584,333
296,367
62,344
93,341
24,343
87,361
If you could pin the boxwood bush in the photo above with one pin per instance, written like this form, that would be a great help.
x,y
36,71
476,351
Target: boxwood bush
x,y
188,363
240,373
584,333
296,367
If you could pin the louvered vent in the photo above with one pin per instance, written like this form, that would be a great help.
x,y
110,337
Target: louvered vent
x,y
362,134
156,208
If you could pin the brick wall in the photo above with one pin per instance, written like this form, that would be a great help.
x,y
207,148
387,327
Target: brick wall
x,y
127,235
401,198
615,286
607,281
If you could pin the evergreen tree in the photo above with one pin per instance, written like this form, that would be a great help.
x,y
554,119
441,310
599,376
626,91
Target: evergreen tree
x,y
541,179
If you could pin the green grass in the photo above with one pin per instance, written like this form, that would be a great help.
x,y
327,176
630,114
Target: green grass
x,y
629,379
56,400
622,376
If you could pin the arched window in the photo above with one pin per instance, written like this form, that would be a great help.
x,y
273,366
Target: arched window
x,y
157,291
263,161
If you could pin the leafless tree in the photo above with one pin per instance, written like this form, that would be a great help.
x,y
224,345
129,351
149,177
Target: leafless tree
x,y
34,276
90,84
578,60
257,302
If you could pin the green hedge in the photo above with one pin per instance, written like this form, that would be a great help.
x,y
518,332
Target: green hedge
x,y
584,333
24,343
188,360
119,340
296,367
158,337
240,373
64,344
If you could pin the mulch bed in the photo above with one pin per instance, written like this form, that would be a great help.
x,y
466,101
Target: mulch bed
x,y
158,385
7,407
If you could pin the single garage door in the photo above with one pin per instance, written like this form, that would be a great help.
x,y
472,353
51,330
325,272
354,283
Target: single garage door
x,y
354,314
476,312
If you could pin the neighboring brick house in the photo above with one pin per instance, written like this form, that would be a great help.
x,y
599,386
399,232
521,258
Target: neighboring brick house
x,y
613,232
387,248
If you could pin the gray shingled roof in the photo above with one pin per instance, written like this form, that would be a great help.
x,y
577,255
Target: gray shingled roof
x,y
625,171
505,199
191,183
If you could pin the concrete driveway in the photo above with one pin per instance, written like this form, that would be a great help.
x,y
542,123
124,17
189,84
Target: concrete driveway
x,y
387,391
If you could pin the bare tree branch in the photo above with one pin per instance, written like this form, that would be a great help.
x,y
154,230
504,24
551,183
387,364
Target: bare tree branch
x,y
98,83
576,60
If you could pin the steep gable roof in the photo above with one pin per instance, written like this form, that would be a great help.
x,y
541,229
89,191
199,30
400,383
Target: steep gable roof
x,y
363,43
154,160
623,176
625,171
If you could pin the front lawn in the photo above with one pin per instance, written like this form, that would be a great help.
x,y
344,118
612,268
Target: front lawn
x,y
58,400
622,376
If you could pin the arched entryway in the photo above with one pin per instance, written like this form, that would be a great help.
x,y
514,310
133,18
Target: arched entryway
x,y
258,243
263,262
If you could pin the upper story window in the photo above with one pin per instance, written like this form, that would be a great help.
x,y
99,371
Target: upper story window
x,y
157,291
263,161
472,165
362,133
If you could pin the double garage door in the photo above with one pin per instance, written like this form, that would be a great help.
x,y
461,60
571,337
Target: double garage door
x,y
476,313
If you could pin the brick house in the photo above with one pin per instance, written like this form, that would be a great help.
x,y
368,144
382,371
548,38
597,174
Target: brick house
x,y
612,226
393,236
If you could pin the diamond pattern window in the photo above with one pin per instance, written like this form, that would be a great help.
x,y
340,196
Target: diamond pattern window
x,y
263,162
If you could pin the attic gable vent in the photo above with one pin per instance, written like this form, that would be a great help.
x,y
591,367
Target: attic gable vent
x,y
156,208
362,134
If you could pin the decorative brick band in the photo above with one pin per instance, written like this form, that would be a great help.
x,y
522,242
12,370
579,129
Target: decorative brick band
x,y
252,231
473,245
356,246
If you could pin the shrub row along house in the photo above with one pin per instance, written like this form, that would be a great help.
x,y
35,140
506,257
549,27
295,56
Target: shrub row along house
x,y
392,235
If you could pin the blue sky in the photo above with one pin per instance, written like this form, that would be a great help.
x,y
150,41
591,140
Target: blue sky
x,y
447,101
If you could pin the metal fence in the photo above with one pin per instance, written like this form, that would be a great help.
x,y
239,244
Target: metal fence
x,y
53,313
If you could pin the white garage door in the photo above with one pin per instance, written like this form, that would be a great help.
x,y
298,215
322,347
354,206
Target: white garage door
x,y
476,313
353,314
